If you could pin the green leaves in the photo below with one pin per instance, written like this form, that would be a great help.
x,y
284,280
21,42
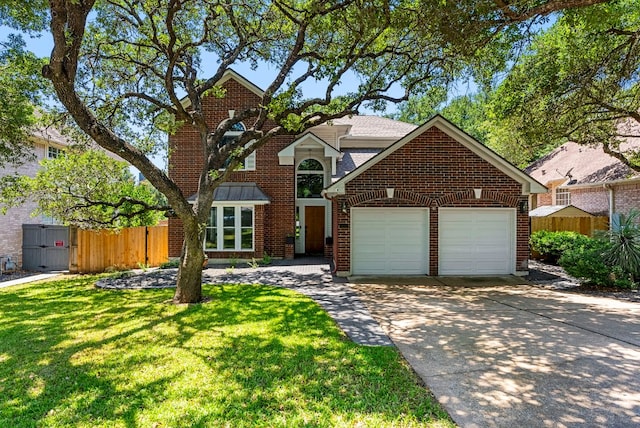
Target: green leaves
x,y
578,81
89,190
21,88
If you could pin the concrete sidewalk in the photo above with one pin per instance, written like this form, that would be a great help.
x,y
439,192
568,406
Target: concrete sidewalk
x,y
28,279
516,356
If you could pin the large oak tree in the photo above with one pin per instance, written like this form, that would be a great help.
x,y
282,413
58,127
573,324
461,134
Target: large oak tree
x,y
126,70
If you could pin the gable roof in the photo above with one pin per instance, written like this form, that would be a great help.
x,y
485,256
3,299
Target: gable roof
x,y
286,156
305,138
569,210
231,74
578,164
353,159
529,185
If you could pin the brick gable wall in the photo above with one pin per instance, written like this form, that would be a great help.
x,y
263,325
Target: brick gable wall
x,y
433,170
273,221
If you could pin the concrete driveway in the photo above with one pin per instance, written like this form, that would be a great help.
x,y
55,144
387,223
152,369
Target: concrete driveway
x,y
499,355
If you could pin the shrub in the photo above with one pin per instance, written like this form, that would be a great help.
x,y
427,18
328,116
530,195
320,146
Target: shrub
x,y
551,245
586,262
624,250
589,263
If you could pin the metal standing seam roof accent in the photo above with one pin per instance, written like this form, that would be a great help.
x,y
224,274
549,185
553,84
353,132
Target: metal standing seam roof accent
x,y
237,192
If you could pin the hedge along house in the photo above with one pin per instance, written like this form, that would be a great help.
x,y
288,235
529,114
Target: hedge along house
x,y
376,195
436,202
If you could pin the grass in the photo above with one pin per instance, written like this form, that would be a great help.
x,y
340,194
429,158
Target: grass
x,y
73,355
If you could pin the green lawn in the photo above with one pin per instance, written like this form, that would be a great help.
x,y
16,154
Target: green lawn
x,y
73,355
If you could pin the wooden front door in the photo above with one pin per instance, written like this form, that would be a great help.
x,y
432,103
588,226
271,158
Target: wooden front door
x,y
313,230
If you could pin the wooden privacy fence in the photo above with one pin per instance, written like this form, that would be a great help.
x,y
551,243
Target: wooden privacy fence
x,y
583,225
97,251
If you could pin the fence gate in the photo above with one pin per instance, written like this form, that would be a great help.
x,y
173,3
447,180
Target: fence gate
x,y
45,247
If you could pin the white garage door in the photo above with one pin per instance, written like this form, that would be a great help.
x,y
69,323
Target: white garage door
x,y
387,241
476,241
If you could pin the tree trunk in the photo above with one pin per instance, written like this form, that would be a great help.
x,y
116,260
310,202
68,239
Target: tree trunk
x,y
189,286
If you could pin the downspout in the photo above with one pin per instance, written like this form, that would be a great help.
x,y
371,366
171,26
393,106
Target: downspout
x,y
333,232
611,204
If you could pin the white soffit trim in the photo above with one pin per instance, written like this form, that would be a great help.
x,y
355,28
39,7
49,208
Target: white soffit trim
x,y
286,156
529,184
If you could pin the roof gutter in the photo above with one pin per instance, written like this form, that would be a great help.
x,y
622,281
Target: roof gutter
x,y
601,183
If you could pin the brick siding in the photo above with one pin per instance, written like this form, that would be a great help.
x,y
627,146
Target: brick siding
x,y
273,221
432,171
595,200
12,221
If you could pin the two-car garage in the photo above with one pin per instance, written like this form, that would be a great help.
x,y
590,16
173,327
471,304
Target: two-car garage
x,y
395,241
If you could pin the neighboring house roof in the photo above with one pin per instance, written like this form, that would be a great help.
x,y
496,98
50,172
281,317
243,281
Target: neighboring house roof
x,y
352,159
529,185
374,126
580,164
238,192
50,134
559,211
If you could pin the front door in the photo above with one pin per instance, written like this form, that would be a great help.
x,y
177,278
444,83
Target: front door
x,y
313,230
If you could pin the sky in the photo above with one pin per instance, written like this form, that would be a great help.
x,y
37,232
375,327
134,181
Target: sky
x,y
261,77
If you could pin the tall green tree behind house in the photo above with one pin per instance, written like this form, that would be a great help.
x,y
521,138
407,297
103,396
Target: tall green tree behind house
x,y
21,89
116,84
579,81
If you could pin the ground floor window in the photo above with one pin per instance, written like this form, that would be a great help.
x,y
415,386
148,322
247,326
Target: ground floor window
x,y
230,229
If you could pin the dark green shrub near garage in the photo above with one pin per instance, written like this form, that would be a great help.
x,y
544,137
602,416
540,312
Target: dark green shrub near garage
x,y
551,245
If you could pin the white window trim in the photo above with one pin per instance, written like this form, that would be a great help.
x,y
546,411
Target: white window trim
x,y
251,158
50,147
311,172
563,197
237,228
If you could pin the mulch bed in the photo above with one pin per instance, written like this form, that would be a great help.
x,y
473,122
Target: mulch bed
x,y
554,277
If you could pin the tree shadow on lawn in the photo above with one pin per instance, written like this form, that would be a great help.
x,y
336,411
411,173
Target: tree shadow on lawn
x,y
73,355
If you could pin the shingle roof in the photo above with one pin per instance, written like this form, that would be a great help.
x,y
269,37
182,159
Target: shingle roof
x,y
352,159
375,126
51,134
582,164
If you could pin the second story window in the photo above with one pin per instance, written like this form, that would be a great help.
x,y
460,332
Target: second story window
x,y
563,197
232,135
53,152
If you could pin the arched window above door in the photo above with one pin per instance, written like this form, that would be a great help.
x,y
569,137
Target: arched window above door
x,y
309,179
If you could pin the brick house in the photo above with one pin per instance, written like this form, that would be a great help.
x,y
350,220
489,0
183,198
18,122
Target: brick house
x,y
587,178
47,144
377,196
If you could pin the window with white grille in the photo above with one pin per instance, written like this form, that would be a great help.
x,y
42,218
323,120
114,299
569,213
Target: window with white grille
x,y
563,197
